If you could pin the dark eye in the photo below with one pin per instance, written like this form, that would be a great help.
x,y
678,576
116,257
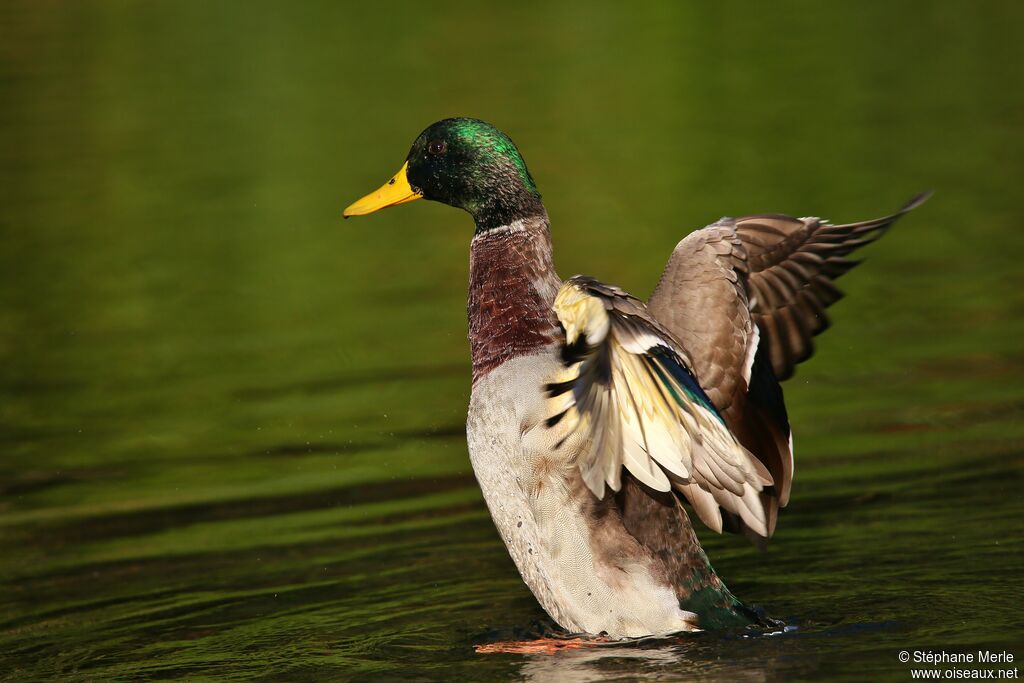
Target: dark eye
x,y
437,147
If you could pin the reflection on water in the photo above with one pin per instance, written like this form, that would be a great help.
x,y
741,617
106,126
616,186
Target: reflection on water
x,y
231,426
685,657
584,666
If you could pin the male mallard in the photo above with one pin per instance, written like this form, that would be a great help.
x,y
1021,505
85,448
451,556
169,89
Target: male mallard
x,y
593,414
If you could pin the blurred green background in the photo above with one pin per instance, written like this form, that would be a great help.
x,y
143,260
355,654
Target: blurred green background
x,y
231,426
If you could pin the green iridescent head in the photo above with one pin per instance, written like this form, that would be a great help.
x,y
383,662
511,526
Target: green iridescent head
x,y
465,163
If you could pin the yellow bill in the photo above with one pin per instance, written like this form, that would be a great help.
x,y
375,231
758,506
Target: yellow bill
x,y
392,193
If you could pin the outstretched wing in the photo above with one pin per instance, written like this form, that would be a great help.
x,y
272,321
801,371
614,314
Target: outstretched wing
x,y
628,388
793,264
745,297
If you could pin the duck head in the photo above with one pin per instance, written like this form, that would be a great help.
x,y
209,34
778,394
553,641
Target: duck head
x,y
465,163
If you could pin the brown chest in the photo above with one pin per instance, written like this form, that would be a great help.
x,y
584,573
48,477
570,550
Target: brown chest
x,y
512,285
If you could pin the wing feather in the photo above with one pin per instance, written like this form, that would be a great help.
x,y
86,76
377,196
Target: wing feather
x,y
745,299
810,254
628,389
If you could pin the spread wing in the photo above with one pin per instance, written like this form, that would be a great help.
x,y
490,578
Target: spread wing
x,y
745,297
628,388
793,264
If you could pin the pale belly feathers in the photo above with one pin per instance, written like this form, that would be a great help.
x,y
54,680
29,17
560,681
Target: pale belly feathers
x,y
591,576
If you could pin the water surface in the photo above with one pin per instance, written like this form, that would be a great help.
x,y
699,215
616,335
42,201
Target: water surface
x,y
231,427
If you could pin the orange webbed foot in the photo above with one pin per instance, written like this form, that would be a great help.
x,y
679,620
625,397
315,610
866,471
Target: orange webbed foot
x,y
545,646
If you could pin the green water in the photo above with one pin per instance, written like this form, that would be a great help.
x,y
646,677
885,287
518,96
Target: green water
x,y
231,426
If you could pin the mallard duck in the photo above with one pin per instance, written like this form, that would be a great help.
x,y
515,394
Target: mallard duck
x,y
594,415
